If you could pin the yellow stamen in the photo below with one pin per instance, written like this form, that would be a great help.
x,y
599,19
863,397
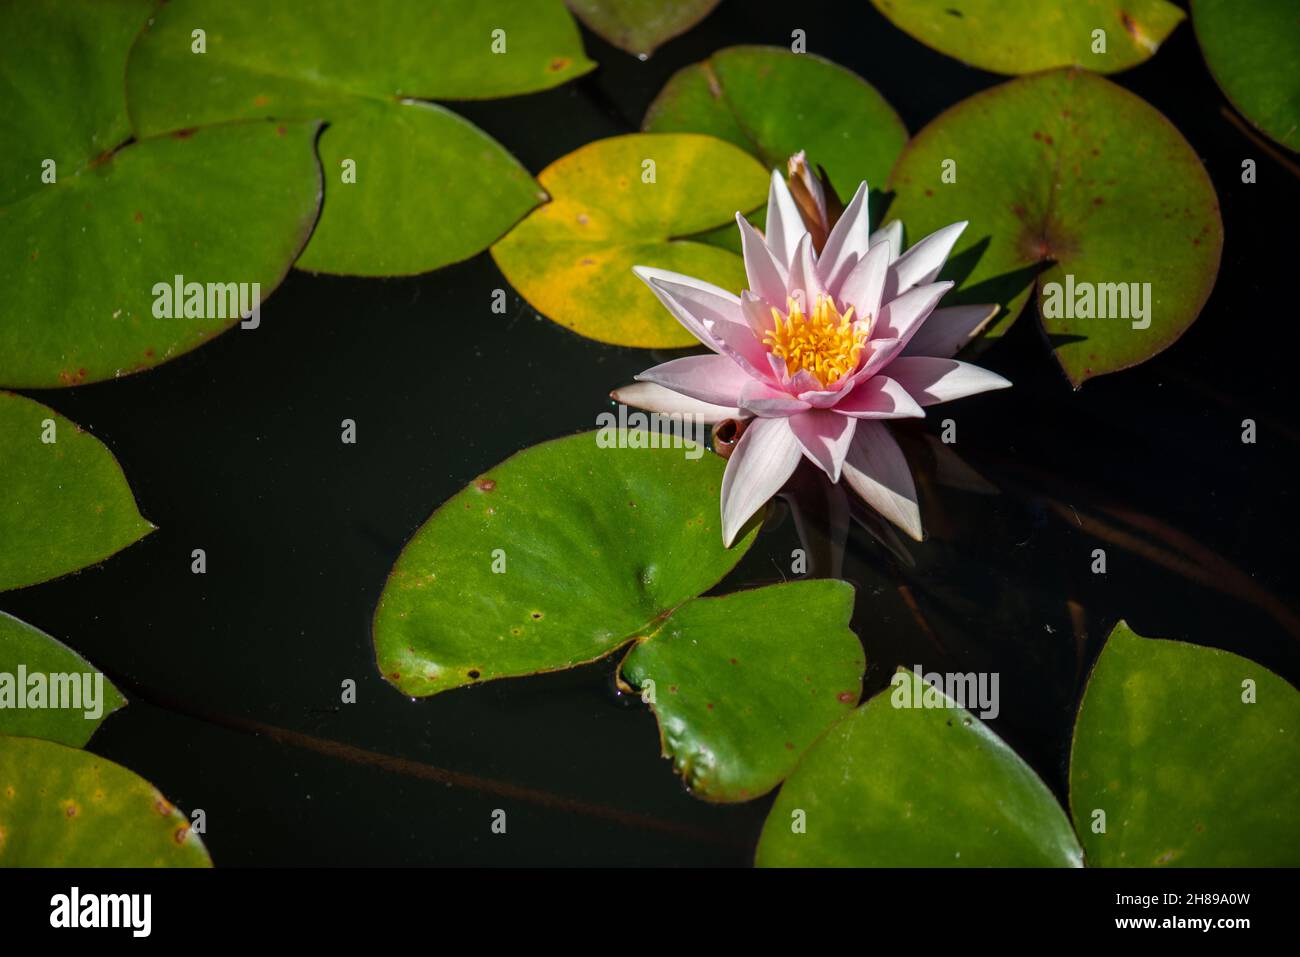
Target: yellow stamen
x,y
824,344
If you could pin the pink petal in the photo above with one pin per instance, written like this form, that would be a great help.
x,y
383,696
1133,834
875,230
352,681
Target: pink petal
x,y
690,300
865,285
767,276
901,317
922,262
762,400
785,225
880,397
931,381
948,330
847,243
655,398
712,379
876,469
892,233
763,459
825,438
757,313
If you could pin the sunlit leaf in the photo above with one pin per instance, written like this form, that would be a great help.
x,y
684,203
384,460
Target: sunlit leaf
x,y
624,202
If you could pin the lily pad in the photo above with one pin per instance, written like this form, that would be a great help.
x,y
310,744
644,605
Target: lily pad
x,y
1193,755
556,557
1253,51
1026,36
426,188
90,223
64,503
60,807
624,202
1053,171
640,26
60,682
743,684
915,787
773,103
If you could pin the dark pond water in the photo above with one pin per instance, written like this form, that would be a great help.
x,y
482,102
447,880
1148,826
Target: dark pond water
x,y
234,676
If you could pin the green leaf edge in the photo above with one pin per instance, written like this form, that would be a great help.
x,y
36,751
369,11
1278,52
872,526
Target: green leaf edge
x,y
146,531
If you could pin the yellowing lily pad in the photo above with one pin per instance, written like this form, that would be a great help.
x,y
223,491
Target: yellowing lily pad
x,y
1185,757
91,224
410,186
1026,36
64,502
1053,172
743,684
1253,50
65,699
773,103
60,807
557,556
912,786
624,202
640,26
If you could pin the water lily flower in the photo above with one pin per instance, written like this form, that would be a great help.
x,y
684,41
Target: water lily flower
x,y
830,341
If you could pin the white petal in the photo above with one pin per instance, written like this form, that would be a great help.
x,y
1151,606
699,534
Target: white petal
x,y
892,232
655,398
880,397
762,400
785,226
876,469
848,241
921,263
825,438
948,330
762,460
865,285
931,381
767,276
805,285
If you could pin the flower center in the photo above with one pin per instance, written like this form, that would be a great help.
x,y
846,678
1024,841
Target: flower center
x,y
824,344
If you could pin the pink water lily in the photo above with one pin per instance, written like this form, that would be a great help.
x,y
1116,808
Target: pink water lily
x,y
822,349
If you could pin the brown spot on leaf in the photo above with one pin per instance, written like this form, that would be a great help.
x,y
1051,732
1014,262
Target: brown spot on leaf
x,y
558,64
485,484
185,133
848,697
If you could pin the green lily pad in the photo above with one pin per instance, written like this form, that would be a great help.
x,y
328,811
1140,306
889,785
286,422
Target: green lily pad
x,y
1253,51
640,26
624,202
64,504
80,255
428,187
88,700
915,787
556,557
743,684
1052,171
60,807
773,103
1026,36
1187,771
